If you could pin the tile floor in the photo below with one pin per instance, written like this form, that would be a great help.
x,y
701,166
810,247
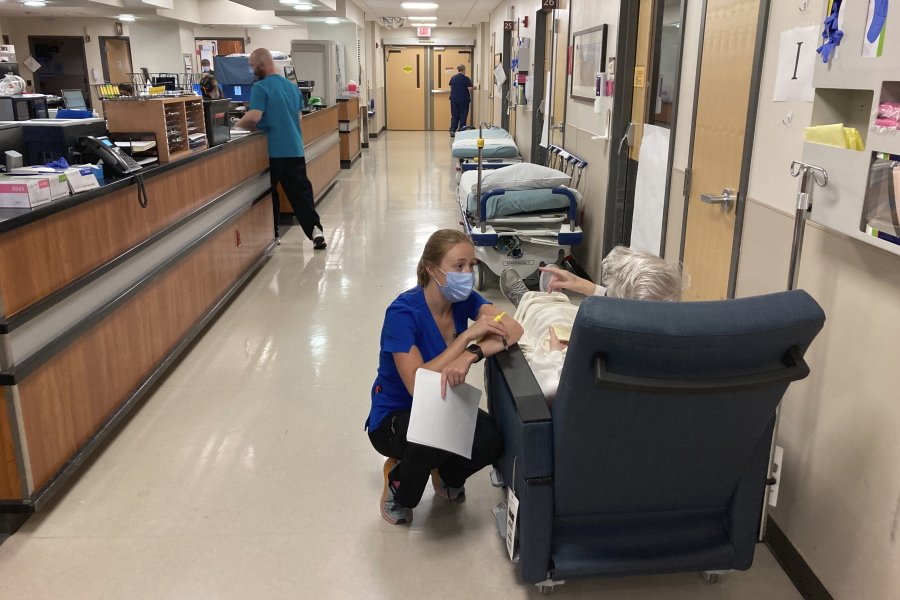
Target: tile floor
x,y
247,474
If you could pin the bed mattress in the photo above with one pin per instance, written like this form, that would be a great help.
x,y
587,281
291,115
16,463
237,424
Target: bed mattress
x,y
511,203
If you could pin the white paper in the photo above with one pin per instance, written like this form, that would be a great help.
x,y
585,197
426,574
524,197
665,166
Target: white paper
x,y
444,423
31,64
870,49
499,75
650,190
512,513
545,132
793,81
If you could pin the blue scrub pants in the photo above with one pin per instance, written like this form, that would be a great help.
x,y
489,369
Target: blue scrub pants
x,y
459,114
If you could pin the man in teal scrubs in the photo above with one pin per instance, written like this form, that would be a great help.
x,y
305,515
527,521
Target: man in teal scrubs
x,y
275,105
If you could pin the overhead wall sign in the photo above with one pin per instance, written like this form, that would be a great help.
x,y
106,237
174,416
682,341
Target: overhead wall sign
x,y
424,31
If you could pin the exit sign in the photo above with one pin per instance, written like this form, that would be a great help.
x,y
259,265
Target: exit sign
x,y
424,31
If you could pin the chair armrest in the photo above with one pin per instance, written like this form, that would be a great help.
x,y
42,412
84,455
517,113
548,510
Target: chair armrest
x,y
530,402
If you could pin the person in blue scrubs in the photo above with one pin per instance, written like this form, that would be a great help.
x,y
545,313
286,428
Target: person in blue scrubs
x,y
460,98
429,327
275,105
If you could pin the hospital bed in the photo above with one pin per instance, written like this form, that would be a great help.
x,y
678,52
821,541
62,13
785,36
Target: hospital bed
x,y
497,144
522,229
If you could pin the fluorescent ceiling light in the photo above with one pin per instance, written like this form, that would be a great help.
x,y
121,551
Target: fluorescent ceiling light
x,y
266,27
126,17
35,3
419,5
426,18
303,7
423,24
332,21
289,1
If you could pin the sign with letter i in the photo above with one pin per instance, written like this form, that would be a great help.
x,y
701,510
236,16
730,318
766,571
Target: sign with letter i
x,y
424,31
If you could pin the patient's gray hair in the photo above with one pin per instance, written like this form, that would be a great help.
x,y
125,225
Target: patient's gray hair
x,y
640,275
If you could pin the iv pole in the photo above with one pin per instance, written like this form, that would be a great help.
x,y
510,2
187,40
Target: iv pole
x,y
809,175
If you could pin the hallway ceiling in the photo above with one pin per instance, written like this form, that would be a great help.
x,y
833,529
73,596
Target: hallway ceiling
x,y
462,13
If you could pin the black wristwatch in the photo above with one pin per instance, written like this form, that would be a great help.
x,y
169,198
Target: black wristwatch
x,y
476,350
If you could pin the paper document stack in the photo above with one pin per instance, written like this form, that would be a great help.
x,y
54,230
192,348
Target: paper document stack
x,y
447,423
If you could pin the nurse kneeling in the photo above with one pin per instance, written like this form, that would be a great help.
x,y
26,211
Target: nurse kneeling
x,y
428,327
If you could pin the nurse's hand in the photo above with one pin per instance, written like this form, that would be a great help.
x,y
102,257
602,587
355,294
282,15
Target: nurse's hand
x,y
455,373
485,325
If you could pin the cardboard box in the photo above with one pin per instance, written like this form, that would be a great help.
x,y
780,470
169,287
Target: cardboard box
x,y
24,192
82,177
59,180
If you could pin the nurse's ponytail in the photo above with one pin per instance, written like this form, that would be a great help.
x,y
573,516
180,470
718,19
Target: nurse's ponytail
x,y
436,247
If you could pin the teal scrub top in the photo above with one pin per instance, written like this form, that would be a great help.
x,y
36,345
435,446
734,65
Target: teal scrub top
x,y
280,102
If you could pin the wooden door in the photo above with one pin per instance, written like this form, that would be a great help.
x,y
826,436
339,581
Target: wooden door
x,y
444,62
559,71
720,135
405,85
643,70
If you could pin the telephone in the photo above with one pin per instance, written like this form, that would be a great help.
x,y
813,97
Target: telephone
x,y
111,154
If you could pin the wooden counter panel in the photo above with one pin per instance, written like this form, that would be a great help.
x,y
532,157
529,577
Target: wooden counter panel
x,y
348,110
324,169
349,144
41,257
66,400
10,487
318,124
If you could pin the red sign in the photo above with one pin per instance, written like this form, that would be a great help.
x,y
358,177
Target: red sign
x,y
424,31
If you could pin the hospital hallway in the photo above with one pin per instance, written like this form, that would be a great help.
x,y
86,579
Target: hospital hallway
x,y
246,473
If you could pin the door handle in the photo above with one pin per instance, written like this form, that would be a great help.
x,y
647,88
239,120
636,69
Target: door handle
x,y
727,199
558,127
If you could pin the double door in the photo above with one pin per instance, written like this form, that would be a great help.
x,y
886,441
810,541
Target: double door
x,y
417,82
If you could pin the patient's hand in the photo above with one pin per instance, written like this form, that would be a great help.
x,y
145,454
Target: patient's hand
x,y
569,281
555,344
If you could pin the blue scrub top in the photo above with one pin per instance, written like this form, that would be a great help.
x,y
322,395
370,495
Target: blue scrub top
x,y
280,102
459,88
407,323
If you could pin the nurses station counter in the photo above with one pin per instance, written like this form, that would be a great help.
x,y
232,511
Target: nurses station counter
x,y
321,148
98,297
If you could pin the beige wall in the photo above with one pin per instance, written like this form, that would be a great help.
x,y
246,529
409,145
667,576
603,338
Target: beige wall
x,y
273,39
19,28
839,501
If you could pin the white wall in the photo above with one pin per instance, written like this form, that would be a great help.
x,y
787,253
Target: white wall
x,y
157,46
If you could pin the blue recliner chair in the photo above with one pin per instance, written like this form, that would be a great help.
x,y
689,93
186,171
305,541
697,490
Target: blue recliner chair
x,y
654,457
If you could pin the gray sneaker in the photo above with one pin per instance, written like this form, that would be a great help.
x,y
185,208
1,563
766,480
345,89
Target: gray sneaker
x,y
391,510
443,490
512,286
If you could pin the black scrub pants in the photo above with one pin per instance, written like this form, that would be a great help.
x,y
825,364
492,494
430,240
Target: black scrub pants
x,y
459,114
291,174
417,461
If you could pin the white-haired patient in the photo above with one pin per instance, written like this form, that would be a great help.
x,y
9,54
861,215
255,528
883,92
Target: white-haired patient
x,y
548,317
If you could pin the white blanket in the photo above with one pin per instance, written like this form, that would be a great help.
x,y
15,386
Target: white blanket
x,y
536,313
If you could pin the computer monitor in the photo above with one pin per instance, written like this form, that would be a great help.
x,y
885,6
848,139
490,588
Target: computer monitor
x,y
8,67
74,99
237,93
167,79
290,74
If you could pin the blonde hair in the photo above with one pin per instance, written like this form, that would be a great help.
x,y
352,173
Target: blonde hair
x,y
437,246
640,275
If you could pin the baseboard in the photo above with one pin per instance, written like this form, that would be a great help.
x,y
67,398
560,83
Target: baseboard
x,y
793,563
373,136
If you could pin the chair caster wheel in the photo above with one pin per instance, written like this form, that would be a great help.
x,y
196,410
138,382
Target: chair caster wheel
x,y
710,577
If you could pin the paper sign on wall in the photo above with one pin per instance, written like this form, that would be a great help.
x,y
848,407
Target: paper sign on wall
x,y
640,76
32,64
796,61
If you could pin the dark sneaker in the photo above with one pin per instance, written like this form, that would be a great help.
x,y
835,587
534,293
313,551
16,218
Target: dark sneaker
x,y
392,512
452,134
319,239
512,286
443,490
